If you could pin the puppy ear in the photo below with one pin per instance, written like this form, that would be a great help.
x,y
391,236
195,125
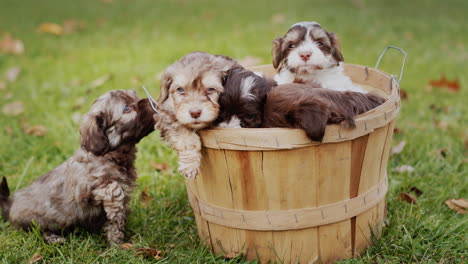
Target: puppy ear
x,y
166,81
336,49
313,119
93,137
276,52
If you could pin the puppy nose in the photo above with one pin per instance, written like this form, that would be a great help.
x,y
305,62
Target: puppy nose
x,y
195,113
305,56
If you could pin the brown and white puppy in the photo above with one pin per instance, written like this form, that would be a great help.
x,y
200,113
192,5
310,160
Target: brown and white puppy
x,y
300,106
190,90
308,53
92,188
243,99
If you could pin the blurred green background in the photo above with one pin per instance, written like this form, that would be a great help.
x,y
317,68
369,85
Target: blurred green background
x,y
124,44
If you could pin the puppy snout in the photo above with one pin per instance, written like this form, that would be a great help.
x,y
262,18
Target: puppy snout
x,y
195,113
305,56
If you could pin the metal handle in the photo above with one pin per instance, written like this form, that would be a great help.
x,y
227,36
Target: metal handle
x,y
402,65
151,100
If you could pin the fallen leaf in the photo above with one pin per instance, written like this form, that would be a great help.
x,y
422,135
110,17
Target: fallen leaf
x,y
404,168
145,197
3,85
403,95
72,25
398,148
458,205
231,255
126,245
149,252
159,166
50,28
12,73
417,191
13,109
10,45
35,258
278,19
100,81
407,198
37,131
8,130
249,61
453,86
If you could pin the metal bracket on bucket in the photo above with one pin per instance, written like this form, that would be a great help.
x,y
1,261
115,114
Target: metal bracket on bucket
x,y
402,65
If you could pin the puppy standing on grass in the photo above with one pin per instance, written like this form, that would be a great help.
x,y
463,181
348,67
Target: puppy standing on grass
x,y
307,53
92,188
190,90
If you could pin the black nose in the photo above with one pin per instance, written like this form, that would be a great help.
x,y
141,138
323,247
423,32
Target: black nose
x,y
195,113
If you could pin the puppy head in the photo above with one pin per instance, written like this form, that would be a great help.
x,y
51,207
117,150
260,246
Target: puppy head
x,y
116,118
306,48
191,88
243,99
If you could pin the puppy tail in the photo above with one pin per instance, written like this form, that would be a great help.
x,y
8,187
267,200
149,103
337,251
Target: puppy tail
x,y
5,201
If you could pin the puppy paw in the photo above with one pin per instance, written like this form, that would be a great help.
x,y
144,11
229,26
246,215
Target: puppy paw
x,y
51,238
189,172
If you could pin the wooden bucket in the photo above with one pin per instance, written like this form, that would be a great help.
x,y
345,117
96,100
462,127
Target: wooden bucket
x,y
274,195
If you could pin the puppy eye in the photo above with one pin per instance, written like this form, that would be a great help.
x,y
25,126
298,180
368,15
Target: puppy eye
x,y
180,90
127,109
211,90
319,44
292,46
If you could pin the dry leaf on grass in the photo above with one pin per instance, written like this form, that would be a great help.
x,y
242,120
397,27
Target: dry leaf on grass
x,y
37,131
149,252
407,198
145,198
403,95
398,148
417,191
100,81
12,73
126,245
453,86
35,258
13,109
458,205
10,45
249,61
404,168
159,166
72,25
50,28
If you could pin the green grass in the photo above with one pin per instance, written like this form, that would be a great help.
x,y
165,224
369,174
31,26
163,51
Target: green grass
x,y
139,38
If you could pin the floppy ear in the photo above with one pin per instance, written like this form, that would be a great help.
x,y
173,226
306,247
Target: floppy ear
x,y
166,81
336,49
276,52
93,137
313,119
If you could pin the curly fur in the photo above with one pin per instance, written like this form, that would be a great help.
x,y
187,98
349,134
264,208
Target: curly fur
x,y
190,90
92,188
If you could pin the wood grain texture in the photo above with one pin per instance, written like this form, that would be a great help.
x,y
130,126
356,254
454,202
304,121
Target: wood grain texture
x,y
333,186
370,176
